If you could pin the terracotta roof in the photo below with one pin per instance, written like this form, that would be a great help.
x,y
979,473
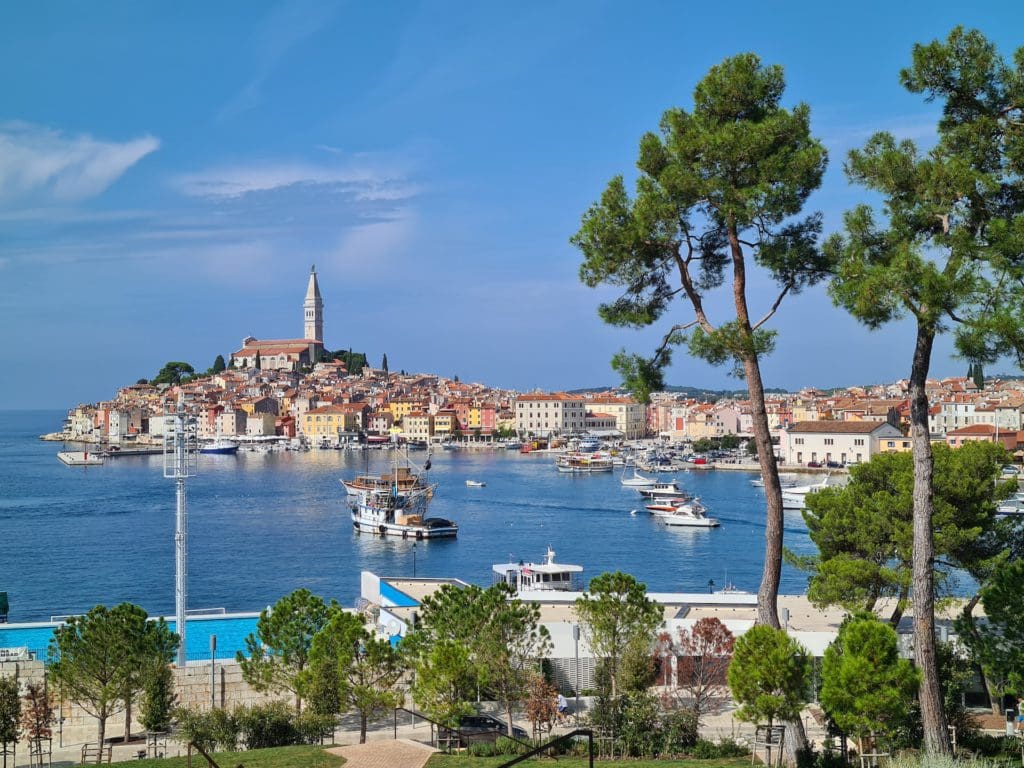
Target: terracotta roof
x,y
976,429
837,427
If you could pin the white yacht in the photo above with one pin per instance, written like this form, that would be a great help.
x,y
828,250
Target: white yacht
x,y
690,514
795,497
636,480
668,489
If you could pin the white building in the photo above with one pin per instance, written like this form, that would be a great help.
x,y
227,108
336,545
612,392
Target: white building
x,y
550,414
840,441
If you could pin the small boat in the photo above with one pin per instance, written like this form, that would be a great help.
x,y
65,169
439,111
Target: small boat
x,y
475,484
785,482
668,489
667,507
691,515
220,446
795,497
637,480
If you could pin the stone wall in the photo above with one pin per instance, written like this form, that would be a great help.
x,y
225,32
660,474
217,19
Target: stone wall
x,y
193,689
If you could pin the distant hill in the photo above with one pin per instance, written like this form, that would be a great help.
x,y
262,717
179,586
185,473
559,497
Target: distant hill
x,y
698,393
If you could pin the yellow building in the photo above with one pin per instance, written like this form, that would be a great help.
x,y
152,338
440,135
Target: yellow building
x,y
418,426
445,423
329,421
400,408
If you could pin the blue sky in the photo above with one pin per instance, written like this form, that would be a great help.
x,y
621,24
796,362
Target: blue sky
x,y
168,173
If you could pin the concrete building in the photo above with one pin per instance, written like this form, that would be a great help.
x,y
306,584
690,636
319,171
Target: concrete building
x,y
841,441
550,414
630,416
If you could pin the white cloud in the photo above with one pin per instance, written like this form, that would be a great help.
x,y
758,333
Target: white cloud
x,y
366,181
40,162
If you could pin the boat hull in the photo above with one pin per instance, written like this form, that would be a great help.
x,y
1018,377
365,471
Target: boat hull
x,y
685,521
226,451
418,532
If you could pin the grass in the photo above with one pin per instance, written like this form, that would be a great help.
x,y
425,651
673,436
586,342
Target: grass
x,y
462,761
278,757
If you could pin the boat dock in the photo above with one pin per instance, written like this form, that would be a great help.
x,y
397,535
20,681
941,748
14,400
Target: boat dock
x,y
80,459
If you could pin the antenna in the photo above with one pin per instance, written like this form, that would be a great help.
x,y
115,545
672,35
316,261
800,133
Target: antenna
x,y
180,462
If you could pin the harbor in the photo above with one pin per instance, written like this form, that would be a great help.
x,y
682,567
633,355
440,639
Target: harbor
x,y
264,524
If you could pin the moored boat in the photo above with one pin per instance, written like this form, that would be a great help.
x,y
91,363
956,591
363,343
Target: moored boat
x,y
584,463
395,504
475,484
667,489
219,446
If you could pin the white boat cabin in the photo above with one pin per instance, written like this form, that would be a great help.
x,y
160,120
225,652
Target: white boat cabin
x,y
548,575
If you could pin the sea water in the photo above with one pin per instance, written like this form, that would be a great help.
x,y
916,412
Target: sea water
x,y
263,524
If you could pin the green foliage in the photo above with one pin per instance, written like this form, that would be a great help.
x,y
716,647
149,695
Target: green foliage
x,y
158,698
218,365
998,644
267,725
504,638
679,730
640,733
10,710
313,728
616,616
727,176
97,659
173,372
864,530
445,681
866,687
705,749
351,669
354,361
216,729
279,651
768,675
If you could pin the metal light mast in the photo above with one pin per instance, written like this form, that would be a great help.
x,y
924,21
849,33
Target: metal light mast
x,y
180,462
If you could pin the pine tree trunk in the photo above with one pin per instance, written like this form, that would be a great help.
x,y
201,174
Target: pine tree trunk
x,y
102,718
362,727
127,719
933,716
768,593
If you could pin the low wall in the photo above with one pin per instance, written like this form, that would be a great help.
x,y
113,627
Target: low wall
x,y
193,691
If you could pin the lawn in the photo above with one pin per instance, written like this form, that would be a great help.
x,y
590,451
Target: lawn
x,y
278,757
462,761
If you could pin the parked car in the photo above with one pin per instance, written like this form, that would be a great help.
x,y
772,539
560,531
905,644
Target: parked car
x,y
1011,469
833,465
814,464
479,728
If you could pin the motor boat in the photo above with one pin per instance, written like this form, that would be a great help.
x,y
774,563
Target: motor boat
x,y
475,484
691,515
668,489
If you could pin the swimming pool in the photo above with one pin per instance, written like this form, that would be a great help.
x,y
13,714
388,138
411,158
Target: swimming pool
x,y
230,629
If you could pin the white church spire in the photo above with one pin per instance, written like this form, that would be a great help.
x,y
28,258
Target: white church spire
x,y
313,309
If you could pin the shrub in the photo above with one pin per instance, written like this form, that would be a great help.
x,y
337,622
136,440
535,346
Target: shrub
x,y
710,750
481,749
267,725
503,745
640,735
678,731
312,728
213,730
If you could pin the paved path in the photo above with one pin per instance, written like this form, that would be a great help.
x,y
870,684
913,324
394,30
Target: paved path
x,y
397,753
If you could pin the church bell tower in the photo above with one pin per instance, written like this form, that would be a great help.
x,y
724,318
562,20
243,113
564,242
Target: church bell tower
x,y
313,310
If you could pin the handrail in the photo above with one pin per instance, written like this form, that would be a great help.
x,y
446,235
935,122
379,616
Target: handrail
x,y
555,742
450,729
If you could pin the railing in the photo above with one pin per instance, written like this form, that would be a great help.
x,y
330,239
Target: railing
x,y
210,761
447,731
556,742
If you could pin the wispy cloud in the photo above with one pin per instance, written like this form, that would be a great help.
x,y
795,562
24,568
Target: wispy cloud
x,y
39,162
364,181
372,250
920,128
279,33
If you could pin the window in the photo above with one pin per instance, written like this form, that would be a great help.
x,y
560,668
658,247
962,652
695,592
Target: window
x,y
858,441
798,441
829,441
891,444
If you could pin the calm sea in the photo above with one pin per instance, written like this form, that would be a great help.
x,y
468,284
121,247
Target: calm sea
x,y
262,525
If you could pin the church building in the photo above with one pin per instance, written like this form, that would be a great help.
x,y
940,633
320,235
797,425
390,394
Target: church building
x,y
288,354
